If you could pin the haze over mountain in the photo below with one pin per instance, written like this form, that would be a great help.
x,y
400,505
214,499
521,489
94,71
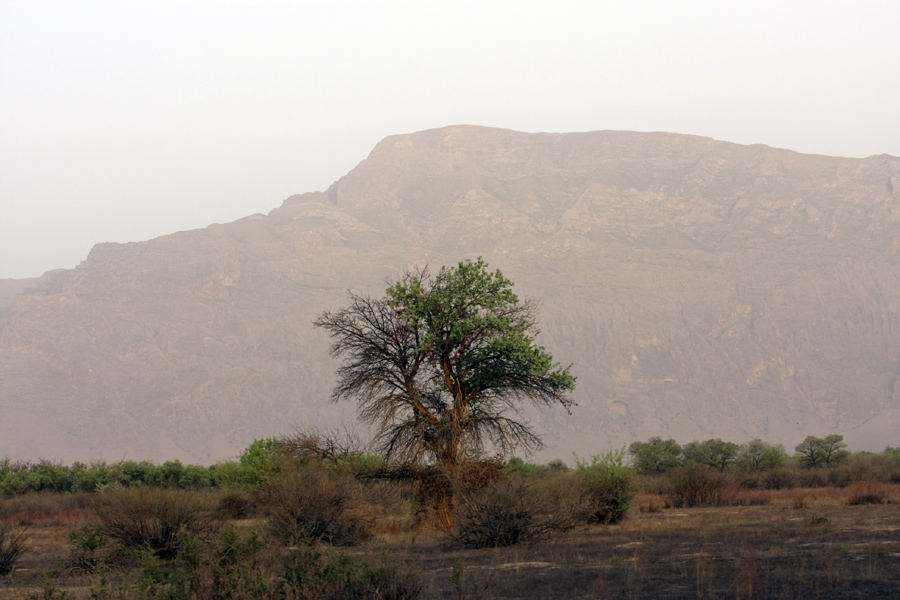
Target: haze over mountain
x,y
700,289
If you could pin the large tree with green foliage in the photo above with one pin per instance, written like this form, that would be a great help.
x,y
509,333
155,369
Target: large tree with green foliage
x,y
655,456
758,455
713,453
440,364
822,452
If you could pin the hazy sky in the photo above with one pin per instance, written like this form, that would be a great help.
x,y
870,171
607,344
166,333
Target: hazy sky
x,y
126,120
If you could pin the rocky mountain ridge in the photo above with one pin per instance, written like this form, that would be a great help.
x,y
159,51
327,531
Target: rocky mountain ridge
x,y
700,289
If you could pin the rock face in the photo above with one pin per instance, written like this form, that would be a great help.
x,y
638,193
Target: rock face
x,y
700,289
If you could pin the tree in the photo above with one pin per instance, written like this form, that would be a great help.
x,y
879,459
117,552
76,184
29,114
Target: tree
x,y
758,455
655,456
714,453
822,452
438,364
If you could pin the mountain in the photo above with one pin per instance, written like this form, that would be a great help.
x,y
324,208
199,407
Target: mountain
x,y
699,288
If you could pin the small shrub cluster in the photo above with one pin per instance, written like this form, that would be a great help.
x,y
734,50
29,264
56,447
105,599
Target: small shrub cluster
x,y
307,502
508,513
242,565
152,518
696,484
86,544
185,554
228,565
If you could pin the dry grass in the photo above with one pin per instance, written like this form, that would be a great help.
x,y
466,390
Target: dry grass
x,y
49,508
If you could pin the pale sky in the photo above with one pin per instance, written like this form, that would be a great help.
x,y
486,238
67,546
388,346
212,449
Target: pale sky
x,y
126,120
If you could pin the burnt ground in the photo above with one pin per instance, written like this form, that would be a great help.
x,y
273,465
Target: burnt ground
x,y
745,552
789,549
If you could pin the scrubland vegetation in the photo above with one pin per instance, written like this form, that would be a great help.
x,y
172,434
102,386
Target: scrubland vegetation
x,y
299,518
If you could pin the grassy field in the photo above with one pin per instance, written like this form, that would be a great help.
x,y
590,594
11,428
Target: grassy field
x,y
797,543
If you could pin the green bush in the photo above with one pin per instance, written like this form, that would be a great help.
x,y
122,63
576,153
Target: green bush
x,y
261,461
229,565
88,478
258,464
608,486
194,477
240,565
127,472
311,572
85,544
49,476
15,478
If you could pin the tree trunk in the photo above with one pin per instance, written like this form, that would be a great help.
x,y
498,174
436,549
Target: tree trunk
x,y
444,514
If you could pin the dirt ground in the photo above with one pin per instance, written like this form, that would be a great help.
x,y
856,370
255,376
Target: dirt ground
x,y
811,547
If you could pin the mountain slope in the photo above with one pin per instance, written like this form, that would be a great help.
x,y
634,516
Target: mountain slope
x,y
700,289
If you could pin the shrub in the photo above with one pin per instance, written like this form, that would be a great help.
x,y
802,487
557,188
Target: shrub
x,y
194,477
311,572
229,565
258,464
889,460
12,543
84,544
696,485
481,474
225,474
508,513
780,478
608,486
49,476
557,465
143,517
517,465
866,466
127,472
306,502
236,504
88,478
15,478
864,492
261,461
813,477
235,565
